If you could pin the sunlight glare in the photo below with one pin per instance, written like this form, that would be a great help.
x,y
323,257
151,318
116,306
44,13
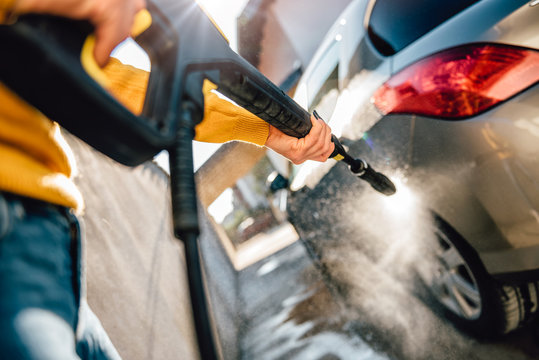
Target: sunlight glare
x,y
403,201
222,206
130,53
225,13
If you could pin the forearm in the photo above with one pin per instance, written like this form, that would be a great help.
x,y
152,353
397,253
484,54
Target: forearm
x,y
222,122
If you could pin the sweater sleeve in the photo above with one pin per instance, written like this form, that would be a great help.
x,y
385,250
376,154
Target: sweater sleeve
x,y
223,121
127,84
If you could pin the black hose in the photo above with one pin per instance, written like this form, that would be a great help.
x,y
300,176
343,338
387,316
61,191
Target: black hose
x,y
201,315
186,228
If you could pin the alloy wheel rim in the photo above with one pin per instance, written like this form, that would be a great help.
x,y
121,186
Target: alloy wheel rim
x,y
453,283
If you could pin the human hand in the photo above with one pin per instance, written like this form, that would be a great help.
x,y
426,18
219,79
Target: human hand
x,y
316,145
112,19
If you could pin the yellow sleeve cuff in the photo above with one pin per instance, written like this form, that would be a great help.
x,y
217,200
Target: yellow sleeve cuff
x,y
224,121
127,84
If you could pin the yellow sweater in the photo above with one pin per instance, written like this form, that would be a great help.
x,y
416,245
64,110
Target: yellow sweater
x,y
36,161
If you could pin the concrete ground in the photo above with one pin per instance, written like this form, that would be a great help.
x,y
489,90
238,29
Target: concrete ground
x,y
291,310
289,313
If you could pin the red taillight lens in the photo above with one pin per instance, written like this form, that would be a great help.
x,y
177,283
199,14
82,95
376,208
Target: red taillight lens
x,y
459,82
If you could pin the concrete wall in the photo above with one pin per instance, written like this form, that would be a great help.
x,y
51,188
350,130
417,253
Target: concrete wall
x,y
222,281
137,282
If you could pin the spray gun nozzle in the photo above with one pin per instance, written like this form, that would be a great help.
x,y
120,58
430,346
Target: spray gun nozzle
x,y
358,166
378,181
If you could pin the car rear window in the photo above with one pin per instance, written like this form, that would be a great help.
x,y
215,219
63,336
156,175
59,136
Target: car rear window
x,y
394,24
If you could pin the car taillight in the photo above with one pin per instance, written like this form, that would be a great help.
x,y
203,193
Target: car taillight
x,y
459,82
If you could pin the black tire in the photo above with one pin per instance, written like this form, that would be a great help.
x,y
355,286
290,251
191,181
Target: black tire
x,y
470,296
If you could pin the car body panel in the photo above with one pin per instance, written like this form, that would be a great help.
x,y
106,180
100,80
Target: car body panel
x,y
481,174
488,188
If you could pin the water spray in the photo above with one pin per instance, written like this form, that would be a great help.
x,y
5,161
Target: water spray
x,y
361,168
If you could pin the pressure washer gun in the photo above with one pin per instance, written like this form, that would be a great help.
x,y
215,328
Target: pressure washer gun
x,y
47,61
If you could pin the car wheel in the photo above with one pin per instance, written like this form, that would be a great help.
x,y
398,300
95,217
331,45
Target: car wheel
x,y
472,298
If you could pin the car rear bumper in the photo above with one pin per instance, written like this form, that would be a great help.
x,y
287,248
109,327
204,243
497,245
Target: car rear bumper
x,y
513,265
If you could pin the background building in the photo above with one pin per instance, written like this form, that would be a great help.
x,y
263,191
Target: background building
x,y
280,36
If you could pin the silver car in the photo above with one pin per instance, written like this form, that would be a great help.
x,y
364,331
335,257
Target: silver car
x,y
441,96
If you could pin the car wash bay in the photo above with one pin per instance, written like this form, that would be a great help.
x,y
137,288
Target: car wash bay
x,y
279,304
287,306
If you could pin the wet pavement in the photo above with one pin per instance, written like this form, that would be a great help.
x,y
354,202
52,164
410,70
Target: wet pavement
x,y
349,289
291,311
